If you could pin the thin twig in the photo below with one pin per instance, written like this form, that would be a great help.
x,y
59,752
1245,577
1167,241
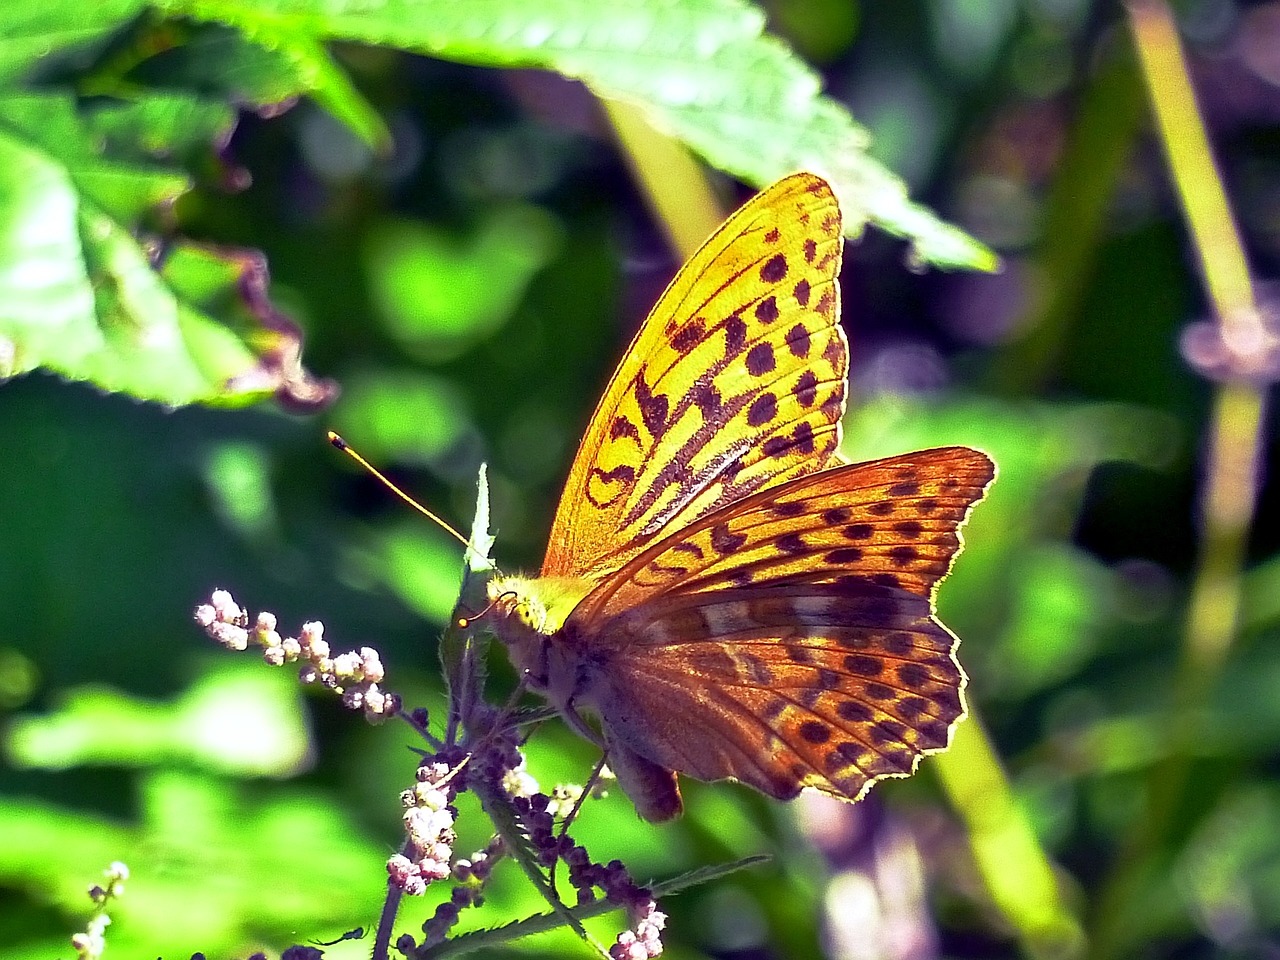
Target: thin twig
x,y
387,919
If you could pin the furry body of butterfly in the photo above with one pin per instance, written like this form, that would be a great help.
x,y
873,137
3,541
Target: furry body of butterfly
x,y
722,593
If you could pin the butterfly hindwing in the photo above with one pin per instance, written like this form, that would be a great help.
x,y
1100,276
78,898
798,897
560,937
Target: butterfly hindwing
x,y
824,666
856,688
735,381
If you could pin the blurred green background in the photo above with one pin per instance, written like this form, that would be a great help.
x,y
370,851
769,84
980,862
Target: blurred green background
x,y
470,291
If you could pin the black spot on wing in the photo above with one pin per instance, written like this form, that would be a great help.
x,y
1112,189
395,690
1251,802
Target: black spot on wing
x,y
841,556
763,409
806,388
798,340
735,336
689,336
724,542
622,427
760,360
774,269
791,543
815,732
654,408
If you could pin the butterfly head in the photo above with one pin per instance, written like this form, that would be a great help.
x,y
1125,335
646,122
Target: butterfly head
x,y
539,605
525,613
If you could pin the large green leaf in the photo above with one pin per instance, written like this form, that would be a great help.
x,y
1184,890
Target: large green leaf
x,y
222,64
703,70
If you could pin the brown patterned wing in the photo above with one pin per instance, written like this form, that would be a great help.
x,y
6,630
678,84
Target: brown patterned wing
x,y
789,640
892,522
735,381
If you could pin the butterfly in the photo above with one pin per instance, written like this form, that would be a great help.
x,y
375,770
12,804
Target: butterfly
x,y
722,593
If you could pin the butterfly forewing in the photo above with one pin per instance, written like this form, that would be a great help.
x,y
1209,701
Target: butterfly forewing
x,y
736,381
892,521
788,640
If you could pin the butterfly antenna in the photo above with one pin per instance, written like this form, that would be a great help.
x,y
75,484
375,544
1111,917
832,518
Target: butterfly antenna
x,y
464,622
342,445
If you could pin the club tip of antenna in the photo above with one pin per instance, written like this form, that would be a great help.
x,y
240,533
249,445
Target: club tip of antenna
x,y
337,441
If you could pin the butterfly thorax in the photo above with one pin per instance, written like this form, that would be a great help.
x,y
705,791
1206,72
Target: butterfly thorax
x,y
528,614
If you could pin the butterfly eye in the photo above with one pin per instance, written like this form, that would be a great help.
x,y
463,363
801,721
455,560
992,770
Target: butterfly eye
x,y
526,614
531,614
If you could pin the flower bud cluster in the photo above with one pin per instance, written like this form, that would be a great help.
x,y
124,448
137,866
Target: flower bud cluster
x,y
224,621
428,823
356,676
487,758
584,875
517,781
116,874
564,799
472,874
92,941
645,939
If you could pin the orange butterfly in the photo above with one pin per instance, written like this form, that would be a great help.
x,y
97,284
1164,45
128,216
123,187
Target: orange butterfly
x,y
722,592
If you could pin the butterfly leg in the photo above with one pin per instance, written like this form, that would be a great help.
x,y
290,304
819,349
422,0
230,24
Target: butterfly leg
x,y
579,725
568,818
652,787
589,786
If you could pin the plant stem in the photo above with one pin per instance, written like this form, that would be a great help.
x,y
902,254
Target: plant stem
x,y
1014,866
387,919
1229,492
672,180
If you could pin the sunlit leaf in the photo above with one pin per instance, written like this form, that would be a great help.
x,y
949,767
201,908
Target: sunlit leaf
x,y
82,295
735,94
30,32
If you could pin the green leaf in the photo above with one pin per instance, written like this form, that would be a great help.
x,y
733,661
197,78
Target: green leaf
x,y
30,31
708,874
82,295
703,70
220,63
463,649
481,539
520,848
234,721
